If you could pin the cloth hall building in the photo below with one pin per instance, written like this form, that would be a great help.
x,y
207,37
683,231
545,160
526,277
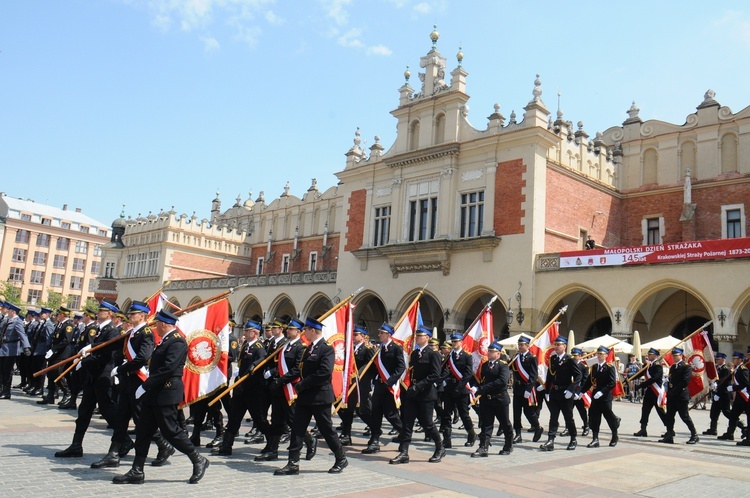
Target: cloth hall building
x,y
478,207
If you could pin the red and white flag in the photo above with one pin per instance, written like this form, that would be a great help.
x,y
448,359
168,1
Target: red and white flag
x,y
206,331
699,354
338,331
478,337
618,391
543,348
156,304
404,336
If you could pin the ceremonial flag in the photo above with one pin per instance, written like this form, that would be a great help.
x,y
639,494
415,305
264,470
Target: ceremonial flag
x,y
338,330
543,347
478,337
618,391
206,331
699,355
155,304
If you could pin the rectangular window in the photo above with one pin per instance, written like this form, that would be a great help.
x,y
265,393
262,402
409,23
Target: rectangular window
x,y
109,270
140,266
733,221
382,226
423,219
16,275
65,225
84,229
259,266
23,236
60,261
82,247
63,243
152,264
313,261
56,280
46,221
37,277
472,214
92,285
40,258
285,263
25,217
79,264
76,283
19,255
103,233
75,302
653,232
130,266
98,250
35,295
42,240
96,267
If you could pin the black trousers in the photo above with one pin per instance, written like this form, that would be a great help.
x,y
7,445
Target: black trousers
x,y
521,405
451,400
556,404
723,406
363,410
24,368
6,372
491,408
739,407
418,409
302,416
583,412
247,399
602,407
282,415
649,402
166,418
37,363
96,391
127,407
383,405
680,407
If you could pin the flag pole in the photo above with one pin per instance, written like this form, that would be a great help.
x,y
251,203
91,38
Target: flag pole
x,y
639,372
158,290
549,324
487,307
123,336
242,379
339,402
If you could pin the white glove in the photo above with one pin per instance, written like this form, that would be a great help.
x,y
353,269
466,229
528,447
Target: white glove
x,y
713,386
113,372
474,389
730,389
445,383
578,396
139,392
124,361
598,394
267,374
716,397
568,394
85,351
79,365
527,394
744,391
546,397
48,354
540,387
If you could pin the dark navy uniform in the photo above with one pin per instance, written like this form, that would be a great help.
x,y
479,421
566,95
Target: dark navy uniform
x,y
740,385
525,373
563,379
678,398
362,405
61,348
383,402
602,380
494,402
13,344
456,394
651,384
721,399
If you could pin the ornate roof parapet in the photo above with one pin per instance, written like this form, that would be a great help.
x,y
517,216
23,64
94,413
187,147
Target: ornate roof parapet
x,y
377,149
633,115
355,154
458,80
497,120
536,112
708,100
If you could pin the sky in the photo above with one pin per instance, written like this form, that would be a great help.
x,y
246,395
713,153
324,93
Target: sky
x,y
161,103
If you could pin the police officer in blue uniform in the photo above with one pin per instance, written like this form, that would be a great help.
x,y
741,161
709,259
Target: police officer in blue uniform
x,y
13,345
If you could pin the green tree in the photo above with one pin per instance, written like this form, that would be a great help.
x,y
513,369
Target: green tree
x,y
11,293
55,300
91,304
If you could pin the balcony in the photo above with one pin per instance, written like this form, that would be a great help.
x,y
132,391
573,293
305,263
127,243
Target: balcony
x,y
275,279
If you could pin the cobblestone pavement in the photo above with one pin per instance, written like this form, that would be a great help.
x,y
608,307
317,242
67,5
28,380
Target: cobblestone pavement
x,y
30,434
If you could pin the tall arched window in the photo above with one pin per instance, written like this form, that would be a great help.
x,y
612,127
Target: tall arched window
x,y
414,135
650,163
440,129
728,153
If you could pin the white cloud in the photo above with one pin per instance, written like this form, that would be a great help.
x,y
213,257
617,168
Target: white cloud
x,y
210,44
351,38
335,9
273,19
379,50
249,35
423,8
736,24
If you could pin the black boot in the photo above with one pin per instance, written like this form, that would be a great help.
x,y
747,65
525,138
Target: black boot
x,y
346,440
134,475
200,464
517,438
403,455
472,438
111,459
712,429
75,450
642,432
507,447
693,439
594,441
166,450
447,433
538,432
340,464
573,444
439,450
219,436
615,439
311,444
271,453
125,448
586,431
292,466
483,450
373,446
549,445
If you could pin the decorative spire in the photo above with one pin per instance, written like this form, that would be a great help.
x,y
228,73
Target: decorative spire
x,y
260,198
286,190
537,92
407,75
314,186
559,111
434,36
633,115
122,213
459,56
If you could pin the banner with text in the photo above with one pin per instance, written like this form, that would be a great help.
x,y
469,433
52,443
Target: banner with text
x,y
677,252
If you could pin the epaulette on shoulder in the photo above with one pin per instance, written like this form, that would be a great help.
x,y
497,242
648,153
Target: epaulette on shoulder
x,y
147,330
257,345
